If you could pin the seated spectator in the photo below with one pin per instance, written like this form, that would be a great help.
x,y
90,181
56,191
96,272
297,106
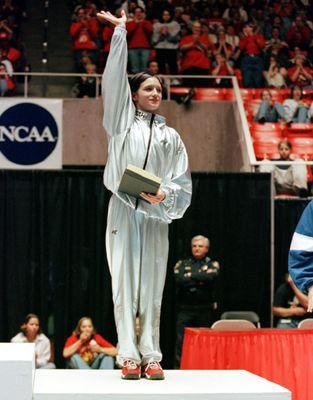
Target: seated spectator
x,y
165,39
84,31
299,34
223,68
251,46
295,110
153,67
196,50
86,349
273,77
288,179
6,82
269,111
88,85
290,305
31,333
300,75
139,31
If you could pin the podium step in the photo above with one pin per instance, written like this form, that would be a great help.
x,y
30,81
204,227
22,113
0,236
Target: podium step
x,y
180,385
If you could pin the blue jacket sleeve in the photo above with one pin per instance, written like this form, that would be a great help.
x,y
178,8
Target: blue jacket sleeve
x,y
300,262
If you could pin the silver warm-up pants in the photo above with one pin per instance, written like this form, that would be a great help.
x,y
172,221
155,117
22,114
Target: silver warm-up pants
x,y
137,251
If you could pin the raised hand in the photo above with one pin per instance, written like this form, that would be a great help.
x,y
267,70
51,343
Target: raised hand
x,y
107,16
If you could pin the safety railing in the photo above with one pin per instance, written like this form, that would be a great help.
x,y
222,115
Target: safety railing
x,y
168,79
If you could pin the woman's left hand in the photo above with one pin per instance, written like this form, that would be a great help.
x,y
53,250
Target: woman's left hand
x,y
153,198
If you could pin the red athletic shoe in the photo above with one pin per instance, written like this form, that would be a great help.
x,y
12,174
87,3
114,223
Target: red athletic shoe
x,y
130,370
153,371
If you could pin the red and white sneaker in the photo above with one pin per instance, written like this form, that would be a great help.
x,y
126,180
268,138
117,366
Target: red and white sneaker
x,y
153,371
130,370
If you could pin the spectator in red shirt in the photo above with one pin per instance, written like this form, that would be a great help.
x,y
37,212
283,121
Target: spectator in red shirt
x,y
139,31
86,349
196,50
299,35
251,46
84,32
299,74
106,37
223,68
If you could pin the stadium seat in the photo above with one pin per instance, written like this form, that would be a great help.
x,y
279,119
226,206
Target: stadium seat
x,y
247,315
276,94
253,105
209,94
306,324
302,146
266,131
266,148
233,325
179,90
304,129
246,94
308,94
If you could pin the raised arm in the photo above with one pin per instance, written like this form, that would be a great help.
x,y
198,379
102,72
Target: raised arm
x,y
118,107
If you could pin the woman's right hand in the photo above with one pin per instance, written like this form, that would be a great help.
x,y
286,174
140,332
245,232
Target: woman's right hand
x,y
107,16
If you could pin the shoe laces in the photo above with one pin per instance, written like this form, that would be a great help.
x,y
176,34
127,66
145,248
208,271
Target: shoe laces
x,y
153,365
130,364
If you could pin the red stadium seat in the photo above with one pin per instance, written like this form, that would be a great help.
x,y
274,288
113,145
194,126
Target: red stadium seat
x,y
266,149
246,94
304,129
209,94
307,94
253,106
302,146
179,90
266,131
285,93
276,94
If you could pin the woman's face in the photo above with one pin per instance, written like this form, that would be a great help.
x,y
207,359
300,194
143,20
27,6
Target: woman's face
x,y
166,16
284,151
32,327
266,96
297,93
149,95
86,327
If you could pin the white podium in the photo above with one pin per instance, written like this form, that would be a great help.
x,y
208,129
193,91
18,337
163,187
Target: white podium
x,y
17,371
178,385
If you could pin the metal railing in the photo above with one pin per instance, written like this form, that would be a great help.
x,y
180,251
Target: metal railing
x,y
168,83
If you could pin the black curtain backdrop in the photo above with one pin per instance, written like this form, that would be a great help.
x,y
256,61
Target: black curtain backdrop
x,y
52,249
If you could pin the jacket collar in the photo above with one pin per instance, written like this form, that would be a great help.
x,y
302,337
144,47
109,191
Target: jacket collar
x,y
144,115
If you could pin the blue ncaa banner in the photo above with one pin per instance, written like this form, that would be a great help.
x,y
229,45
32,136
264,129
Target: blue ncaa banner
x,y
31,133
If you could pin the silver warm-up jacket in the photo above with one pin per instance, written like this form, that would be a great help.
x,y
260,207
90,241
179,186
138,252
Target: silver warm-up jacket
x,y
137,231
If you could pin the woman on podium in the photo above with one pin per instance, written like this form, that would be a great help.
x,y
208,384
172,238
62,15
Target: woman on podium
x,y
137,228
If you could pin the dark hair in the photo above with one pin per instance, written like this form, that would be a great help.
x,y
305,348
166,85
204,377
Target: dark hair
x,y
26,320
286,142
293,89
142,10
169,11
77,330
136,80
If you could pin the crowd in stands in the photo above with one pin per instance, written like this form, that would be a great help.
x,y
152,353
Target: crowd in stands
x,y
12,57
264,43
